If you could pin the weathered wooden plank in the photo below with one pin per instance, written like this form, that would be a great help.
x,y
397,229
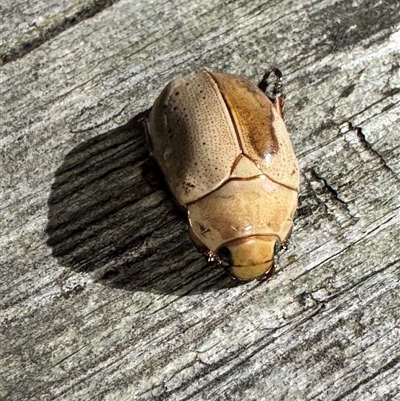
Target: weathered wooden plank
x,y
103,294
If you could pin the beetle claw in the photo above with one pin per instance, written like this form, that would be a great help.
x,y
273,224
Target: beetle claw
x,y
272,85
211,257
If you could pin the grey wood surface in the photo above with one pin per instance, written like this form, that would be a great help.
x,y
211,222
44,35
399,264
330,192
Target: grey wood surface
x,y
103,296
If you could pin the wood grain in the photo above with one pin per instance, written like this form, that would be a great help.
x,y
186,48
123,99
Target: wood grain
x,y
103,295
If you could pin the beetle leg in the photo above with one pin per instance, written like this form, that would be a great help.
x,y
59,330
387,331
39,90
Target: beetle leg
x,y
211,256
271,84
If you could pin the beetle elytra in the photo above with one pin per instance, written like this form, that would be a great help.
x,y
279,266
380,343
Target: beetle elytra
x,y
224,150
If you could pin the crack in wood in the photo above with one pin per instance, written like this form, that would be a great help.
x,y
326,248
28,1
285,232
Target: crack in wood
x,y
369,148
311,176
348,126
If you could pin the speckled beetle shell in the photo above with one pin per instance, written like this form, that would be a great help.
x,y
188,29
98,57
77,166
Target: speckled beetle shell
x,y
227,158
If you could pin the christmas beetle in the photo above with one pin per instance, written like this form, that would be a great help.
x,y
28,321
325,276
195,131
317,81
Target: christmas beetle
x,y
222,145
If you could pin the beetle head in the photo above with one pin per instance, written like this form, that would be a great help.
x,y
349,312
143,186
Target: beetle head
x,y
250,257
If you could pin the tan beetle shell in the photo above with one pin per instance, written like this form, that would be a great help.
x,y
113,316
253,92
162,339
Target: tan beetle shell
x,y
227,158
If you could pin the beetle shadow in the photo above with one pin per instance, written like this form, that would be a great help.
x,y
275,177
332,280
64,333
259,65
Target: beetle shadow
x,y
111,214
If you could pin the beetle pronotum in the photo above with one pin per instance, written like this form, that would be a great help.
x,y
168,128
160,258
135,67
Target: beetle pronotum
x,y
224,150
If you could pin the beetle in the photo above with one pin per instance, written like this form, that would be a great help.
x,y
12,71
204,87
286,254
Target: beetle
x,y
222,145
